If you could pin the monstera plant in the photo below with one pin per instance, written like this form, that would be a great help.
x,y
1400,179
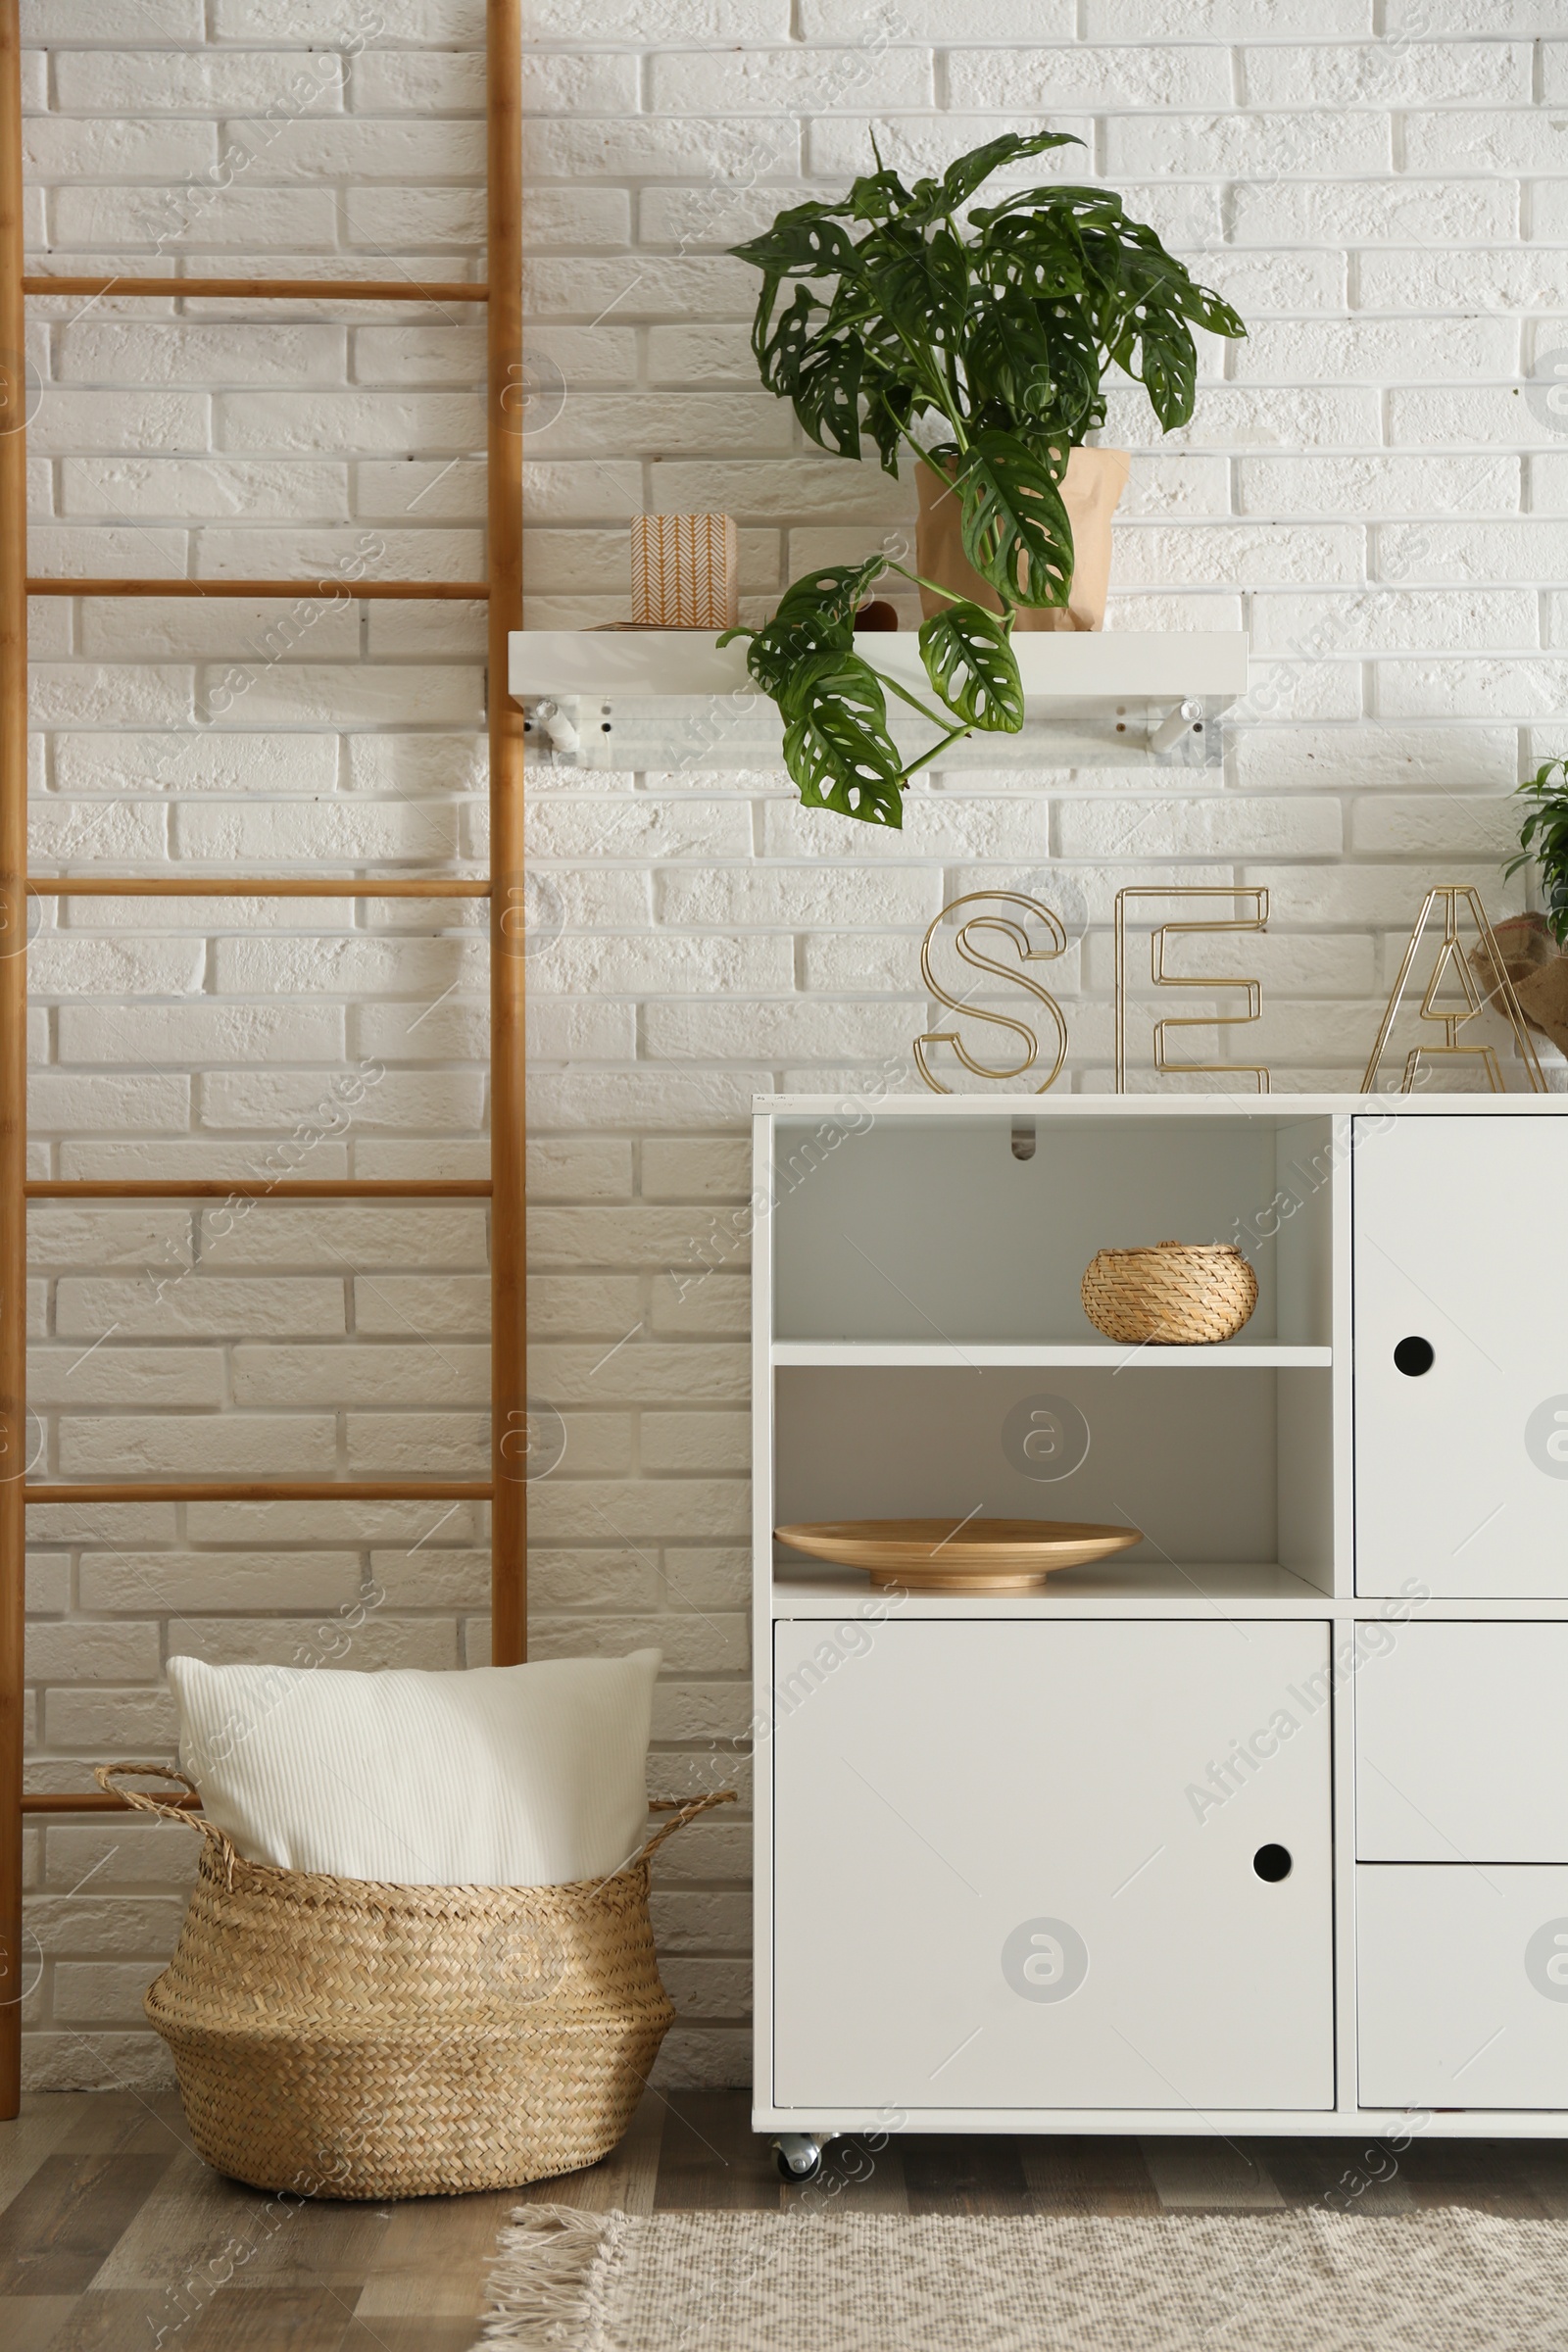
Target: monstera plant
x,y
980,348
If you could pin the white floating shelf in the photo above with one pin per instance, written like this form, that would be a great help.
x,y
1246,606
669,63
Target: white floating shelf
x,y
1056,665
1128,697
1263,1356
1122,1586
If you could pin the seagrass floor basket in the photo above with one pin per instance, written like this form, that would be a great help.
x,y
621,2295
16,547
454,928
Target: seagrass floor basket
x,y
342,2038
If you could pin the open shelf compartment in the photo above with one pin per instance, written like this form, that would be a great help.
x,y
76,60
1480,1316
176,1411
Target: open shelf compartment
x,y
933,1235
1226,1471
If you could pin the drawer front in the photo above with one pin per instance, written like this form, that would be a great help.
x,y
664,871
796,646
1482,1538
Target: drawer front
x,y
1462,1745
1462,1986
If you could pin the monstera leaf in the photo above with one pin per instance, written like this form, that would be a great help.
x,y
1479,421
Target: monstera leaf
x,y
1013,524
804,241
836,592
969,660
1169,367
778,649
961,180
922,285
815,615
836,743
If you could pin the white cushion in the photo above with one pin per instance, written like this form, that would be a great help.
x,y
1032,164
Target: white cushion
x,y
505,1776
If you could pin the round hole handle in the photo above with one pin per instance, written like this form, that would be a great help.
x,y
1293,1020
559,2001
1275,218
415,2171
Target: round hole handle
x,y
1272,1863
1413,1357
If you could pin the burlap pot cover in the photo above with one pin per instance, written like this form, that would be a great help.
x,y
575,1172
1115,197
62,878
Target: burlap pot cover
x,y
1537,969
342,2038
1090,489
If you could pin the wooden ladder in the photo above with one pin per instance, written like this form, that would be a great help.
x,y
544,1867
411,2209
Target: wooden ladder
x,y
506,1489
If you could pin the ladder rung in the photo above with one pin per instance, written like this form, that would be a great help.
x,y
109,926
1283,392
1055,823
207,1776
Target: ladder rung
x,y
403,591
260,1188
225,886
97,1803
276,1490
269,289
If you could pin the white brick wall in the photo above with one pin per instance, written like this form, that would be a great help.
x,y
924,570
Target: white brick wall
x,y
1380,186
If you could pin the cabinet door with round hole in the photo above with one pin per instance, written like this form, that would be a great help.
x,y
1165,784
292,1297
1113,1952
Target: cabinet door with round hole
x,y
1070,1865
1461,1353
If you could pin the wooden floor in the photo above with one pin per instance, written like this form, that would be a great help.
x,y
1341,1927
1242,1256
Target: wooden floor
x,y
113,2234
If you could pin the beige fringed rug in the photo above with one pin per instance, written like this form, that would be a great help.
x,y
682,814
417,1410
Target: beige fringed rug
x,y
1450,2280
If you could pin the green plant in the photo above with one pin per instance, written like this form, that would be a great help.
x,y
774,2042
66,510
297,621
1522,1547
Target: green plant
x,y
1002,335
1544,842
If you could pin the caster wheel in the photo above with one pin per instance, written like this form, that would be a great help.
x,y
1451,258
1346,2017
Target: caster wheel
x,y
797,2156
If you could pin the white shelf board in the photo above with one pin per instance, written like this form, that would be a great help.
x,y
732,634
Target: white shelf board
x,y
1064,667
1263,1356
1121,1588
1127,1589
657,697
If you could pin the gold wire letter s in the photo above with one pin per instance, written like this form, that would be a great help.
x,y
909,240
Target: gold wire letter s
x,y
1007,929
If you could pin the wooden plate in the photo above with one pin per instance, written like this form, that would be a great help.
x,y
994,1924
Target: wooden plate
x,y
955,1556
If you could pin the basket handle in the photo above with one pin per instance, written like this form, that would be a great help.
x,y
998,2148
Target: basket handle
x,y
684,1809
167,1808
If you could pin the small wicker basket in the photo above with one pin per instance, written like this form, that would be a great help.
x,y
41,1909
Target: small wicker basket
x,y
1179,1295
342,2038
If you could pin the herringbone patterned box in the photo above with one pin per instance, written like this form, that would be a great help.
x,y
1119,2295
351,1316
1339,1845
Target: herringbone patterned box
x,y
684,572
